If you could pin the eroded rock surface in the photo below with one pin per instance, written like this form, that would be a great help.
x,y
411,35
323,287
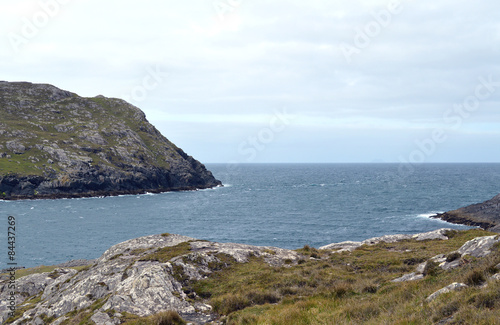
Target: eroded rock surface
x,y
141,276
452,287
477,247
439,234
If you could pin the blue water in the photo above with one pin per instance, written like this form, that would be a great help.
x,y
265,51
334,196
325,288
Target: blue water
x,y
284,205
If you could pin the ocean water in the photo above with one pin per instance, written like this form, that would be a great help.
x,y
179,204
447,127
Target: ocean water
x,y
283,205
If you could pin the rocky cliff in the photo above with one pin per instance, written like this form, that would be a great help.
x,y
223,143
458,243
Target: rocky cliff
x,y
485,215
54,143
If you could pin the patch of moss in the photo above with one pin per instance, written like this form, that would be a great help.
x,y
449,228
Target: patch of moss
x,y
165,254
116,256
138,251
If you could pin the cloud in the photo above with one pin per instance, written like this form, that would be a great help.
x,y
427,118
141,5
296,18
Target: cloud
x,y
413,67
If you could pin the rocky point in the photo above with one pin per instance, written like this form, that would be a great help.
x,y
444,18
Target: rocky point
x,y
54,143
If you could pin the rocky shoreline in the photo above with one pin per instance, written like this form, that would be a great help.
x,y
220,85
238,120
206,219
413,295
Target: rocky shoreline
x,y
89,194
485,215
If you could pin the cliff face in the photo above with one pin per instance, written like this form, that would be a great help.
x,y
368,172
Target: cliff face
x,y
54,143
485,215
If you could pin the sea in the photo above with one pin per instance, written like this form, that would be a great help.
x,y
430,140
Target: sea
x,y
281,205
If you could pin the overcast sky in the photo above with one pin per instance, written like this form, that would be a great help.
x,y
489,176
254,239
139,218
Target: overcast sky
x,y
275,80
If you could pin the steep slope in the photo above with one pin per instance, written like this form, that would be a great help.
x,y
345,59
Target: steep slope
x,y
54,143
485,215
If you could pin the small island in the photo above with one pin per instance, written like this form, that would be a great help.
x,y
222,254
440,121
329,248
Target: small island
x,y
56,144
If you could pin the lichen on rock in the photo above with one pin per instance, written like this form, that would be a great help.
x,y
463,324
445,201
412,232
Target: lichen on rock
x,y
131,277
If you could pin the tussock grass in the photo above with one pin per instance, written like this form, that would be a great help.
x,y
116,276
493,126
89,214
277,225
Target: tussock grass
x,y
355,288
347,288
168,317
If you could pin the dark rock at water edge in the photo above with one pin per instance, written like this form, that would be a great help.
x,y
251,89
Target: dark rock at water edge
x,y
485,215
56,144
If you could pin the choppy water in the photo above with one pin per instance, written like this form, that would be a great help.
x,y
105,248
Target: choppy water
x,y
284,205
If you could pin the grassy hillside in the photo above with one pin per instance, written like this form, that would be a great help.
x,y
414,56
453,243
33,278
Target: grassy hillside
x,y
345,288
92,130
54,143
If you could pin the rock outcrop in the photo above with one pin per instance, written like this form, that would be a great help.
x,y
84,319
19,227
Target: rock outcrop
x,y
439,234
485,215
54,143
152,274
477,247
142,276
452,287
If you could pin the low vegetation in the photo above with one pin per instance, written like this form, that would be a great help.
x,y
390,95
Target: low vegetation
x,y
164,318
42,269
342,288
356,288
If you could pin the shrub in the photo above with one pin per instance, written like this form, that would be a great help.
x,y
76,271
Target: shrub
x,y
315,255
167,318
341,289
413,261
486,299
287,291
451,233
229,303
371,288
431,268
262,297
453,256
475,278
446,311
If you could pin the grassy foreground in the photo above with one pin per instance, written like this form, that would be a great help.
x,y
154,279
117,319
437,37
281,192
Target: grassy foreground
x,y
347,288
355,288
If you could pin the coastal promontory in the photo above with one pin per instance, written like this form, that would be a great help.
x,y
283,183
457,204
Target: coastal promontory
x,y
56,144
485,215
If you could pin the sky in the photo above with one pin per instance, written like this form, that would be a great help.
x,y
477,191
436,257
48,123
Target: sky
x,y
240,81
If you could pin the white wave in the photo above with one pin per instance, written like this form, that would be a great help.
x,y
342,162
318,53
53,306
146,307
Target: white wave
x,y
428,215
432,214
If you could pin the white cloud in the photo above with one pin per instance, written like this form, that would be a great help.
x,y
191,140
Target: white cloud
x,y
266,55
